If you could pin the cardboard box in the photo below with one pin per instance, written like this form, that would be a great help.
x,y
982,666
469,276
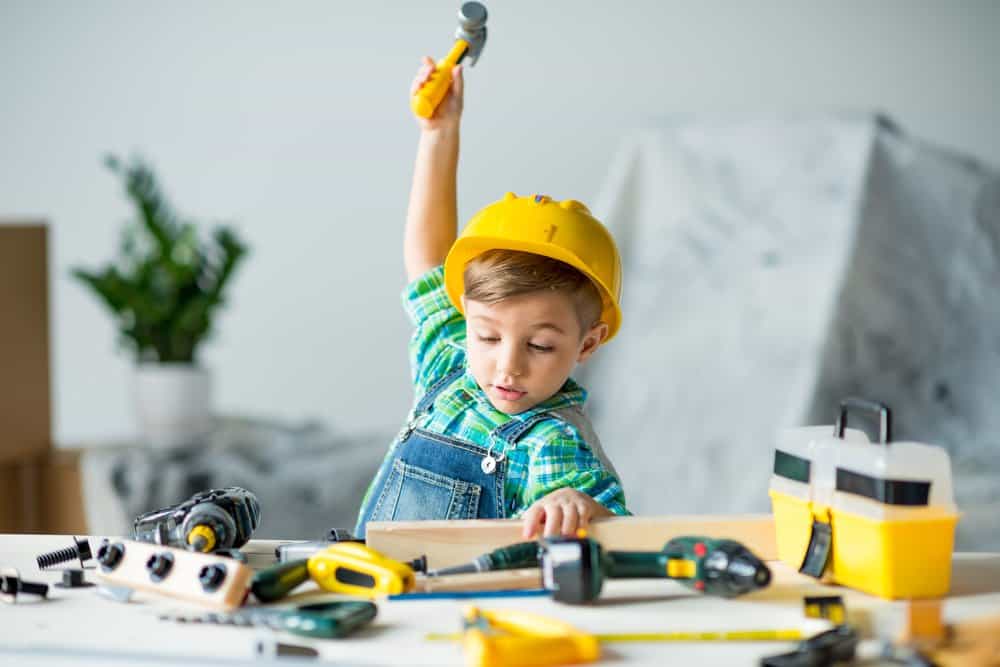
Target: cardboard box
x,y
39,488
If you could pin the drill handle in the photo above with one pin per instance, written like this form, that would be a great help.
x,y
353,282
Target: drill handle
x,y
426,100
636,565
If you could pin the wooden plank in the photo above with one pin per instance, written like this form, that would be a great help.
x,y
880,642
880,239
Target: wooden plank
x,y
183,578
447,543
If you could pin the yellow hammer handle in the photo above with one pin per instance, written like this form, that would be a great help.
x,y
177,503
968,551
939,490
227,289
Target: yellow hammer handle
x,y
427,99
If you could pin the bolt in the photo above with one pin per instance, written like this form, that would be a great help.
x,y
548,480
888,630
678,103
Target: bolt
x,y
212,576
419,564
80,549
11,584
73,579
109,555
159,565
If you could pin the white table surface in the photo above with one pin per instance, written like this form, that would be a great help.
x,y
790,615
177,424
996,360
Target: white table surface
x,y
78,626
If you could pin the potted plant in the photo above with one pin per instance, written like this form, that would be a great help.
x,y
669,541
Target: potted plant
x,y
164,291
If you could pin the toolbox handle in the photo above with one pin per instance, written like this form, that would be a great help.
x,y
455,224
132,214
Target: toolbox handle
x,y
865,405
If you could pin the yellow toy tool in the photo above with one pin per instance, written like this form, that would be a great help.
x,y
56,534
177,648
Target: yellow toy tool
x,y
350,568
509,638
470,37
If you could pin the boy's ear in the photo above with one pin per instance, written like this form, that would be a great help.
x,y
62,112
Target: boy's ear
x,y
462,299
592,340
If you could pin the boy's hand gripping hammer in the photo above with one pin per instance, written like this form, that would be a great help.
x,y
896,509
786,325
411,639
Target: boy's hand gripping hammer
x,y
470,37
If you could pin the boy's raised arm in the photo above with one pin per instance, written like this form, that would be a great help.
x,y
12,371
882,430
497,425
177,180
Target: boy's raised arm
x,y
432,214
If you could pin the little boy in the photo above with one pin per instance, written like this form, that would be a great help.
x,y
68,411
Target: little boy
x,y
503,315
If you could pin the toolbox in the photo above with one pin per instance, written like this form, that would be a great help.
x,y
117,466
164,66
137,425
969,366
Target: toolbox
x,y
876,516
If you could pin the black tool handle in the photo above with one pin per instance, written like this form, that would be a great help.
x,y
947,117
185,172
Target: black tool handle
x,y
880,410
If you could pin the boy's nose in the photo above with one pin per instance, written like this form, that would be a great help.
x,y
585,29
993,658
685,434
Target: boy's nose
x,y
509,363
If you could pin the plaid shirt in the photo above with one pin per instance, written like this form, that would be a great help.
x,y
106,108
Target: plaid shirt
x,y
551,455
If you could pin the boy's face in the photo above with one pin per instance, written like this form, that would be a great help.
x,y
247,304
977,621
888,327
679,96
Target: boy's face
x,y
522,349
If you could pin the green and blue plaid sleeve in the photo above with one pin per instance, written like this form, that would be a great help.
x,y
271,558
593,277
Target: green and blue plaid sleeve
x,y
561,459
438,342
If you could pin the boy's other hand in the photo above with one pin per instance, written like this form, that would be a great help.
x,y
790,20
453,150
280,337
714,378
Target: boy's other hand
x,y
449,112
562,512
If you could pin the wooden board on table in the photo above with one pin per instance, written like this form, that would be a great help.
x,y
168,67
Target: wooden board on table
x,y
447,543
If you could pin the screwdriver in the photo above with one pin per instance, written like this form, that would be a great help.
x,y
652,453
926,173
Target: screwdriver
x,y
325,620
343,567
514,556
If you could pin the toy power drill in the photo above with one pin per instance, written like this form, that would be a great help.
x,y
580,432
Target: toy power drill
x,y
213,520
574,569
470,38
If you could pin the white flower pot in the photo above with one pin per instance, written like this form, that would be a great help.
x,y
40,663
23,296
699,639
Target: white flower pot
x,y
173,403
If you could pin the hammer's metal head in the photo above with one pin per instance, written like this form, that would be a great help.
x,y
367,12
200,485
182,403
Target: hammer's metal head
x,y
472,28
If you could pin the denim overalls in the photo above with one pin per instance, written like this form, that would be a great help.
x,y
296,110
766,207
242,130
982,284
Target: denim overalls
x,y
433,476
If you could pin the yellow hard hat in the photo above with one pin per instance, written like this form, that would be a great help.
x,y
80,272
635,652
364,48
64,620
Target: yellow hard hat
x,y
563,230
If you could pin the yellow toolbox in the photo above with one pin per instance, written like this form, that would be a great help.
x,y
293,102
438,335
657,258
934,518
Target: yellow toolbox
x,y
879,517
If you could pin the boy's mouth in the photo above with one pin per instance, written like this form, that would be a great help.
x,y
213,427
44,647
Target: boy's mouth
x,y
507,393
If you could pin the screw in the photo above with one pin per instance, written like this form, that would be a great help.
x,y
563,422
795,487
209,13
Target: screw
x,y
212,576
159,565
80,549
109,555
11,584
73,579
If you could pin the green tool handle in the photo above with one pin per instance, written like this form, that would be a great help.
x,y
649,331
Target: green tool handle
x,y
328,620
522,554
635,565
276,582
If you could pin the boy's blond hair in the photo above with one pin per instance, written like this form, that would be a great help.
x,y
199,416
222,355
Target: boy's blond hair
x,y
496,275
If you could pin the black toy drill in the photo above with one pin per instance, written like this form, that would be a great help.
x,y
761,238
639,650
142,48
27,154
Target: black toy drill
x,y
574,569
212,520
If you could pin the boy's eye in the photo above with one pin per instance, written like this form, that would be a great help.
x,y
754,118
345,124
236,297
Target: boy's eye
x,y
488,339
540,348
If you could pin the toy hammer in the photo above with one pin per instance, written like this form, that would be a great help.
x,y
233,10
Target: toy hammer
x,y
470,38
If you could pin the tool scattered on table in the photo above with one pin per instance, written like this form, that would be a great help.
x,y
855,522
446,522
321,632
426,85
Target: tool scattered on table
x,y
826,648
890,505
344,567
511,638
459,595
470,38
767,635
300,550
520,555
12,585
202,578
269,647
574,569
830,607
207,521
80,550
73,579
325,620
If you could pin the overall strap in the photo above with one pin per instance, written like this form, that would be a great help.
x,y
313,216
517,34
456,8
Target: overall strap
x,y
432,393
512,431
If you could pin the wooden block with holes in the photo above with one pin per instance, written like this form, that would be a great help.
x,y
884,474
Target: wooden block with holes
x,y
447,543
205,579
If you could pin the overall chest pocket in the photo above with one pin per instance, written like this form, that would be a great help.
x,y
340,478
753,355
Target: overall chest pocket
x,y
416,494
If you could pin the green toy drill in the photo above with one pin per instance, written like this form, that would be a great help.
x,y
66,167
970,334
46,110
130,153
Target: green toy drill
x,y
574,569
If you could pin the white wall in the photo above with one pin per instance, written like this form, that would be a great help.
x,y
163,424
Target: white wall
x,y
291,119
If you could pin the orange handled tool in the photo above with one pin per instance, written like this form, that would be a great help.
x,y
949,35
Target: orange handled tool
x,y
470,37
